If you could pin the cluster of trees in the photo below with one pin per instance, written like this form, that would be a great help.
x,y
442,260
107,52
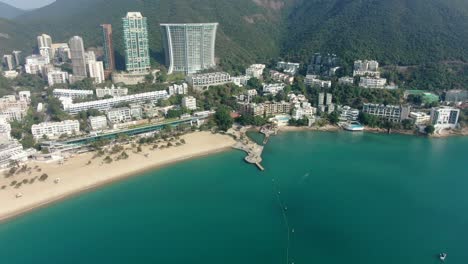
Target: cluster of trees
x,y
177,112
223,118
299,123
248,119
218,96
375,121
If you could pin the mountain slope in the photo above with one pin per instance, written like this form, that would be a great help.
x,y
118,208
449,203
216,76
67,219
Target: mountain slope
x,y
392,31
15,37
7,11
242,23
402,32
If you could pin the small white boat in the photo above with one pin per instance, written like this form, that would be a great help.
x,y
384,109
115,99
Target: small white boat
x,y
443,256
353,126
18,195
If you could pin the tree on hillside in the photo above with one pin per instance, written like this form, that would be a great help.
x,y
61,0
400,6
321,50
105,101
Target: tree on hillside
x,y
408,124
389,125
369,120
430,129
334,117
55,110
223,119
255,83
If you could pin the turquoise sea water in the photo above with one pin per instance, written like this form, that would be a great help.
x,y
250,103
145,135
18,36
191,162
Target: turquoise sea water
x,y
350,198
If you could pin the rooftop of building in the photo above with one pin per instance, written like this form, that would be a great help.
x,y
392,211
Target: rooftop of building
x,y
188,24
134,15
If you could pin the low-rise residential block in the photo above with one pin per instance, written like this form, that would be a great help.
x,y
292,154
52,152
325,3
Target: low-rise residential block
x,y
106,104
348,114
70,93
11,151
119,115
288,67
35,64
205,80
113,91
366,68
255,71
240,80
57,77
55,129
281,77
303,110
346,80
372,82
312,80
445,117
420,118
178,89
97,122
391,113
13,109
189,102
273,88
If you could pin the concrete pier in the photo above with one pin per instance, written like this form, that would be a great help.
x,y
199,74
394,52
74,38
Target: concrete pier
x,y
260,166
268,131
253,150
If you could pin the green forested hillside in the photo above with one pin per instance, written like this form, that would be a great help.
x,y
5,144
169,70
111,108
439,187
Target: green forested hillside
x,y
393,31
404,32
247,31
14,36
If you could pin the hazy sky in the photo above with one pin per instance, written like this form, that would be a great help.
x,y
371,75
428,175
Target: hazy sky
x,y
28,4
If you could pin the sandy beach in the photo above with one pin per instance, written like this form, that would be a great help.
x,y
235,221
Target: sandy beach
x,y
83,172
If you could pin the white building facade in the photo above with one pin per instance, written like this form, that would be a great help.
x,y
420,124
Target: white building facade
x,y
255,71
202,81
119,115
445,117
177,89
189,48
366,68
35,64
273,88
391,113
57,77
96,71
70,93
189,102
11,151
106,104
97,122
288,67
312,80
55,129
113,91
372,82
420,118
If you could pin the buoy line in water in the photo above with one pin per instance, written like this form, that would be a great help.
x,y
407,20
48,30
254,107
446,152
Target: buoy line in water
x,y
283,209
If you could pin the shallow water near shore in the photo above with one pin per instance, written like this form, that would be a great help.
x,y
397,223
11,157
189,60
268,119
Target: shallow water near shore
x,y
339,197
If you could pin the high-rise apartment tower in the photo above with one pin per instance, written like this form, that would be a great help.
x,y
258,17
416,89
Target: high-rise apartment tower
x,y
109,59
189,48
77,54
135,31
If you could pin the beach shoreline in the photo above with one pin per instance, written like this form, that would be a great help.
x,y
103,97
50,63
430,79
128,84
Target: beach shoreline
x,y
74,183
